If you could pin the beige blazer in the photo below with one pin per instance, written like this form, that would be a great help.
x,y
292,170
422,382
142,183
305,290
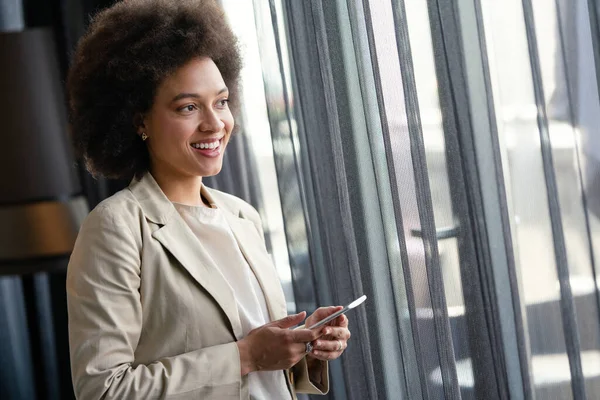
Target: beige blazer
x,y
150,316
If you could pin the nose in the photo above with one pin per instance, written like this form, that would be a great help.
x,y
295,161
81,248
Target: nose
x,y
211,122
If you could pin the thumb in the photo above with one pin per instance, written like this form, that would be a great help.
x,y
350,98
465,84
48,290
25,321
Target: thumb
x,y
289,321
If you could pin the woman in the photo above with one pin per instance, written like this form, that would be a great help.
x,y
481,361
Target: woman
x,y
171,292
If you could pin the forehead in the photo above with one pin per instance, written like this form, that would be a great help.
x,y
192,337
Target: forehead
x,y
199,75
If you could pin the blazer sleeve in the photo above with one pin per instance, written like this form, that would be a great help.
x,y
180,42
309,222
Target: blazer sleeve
x,y
105,322
299,375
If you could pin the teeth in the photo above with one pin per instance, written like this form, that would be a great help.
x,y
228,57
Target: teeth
x,y
210,146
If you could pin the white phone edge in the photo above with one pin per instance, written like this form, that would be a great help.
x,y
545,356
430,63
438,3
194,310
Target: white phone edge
x,y
338,313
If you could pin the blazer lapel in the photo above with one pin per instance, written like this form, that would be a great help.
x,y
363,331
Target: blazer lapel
x,y
175,236
180,241
252,247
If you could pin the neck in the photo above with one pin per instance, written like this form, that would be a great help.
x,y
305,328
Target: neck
x,y
179,188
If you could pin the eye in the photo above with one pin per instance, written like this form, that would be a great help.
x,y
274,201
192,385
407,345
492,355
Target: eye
x,y
189,108
223,103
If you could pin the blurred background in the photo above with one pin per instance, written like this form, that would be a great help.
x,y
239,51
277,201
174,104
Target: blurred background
x,y
440,156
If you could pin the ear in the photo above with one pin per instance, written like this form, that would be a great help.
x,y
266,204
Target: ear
x,y
139,123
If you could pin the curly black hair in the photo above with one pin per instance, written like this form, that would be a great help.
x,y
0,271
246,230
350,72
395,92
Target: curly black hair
x,y
128,50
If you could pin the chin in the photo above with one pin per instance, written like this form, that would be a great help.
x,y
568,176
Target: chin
x,y
210,172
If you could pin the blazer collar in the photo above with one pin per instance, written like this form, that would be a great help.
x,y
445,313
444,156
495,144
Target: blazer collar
x,y
158,208
155,204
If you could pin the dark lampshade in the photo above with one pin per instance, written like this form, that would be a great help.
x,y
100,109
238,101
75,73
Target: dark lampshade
x,y
41,206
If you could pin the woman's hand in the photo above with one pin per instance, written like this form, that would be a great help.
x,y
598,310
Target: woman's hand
x,y
335,335
274,346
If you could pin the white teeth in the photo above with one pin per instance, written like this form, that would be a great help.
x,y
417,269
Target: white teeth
x,y
210,146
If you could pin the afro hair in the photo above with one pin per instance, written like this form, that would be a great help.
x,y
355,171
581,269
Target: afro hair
x,y
127,51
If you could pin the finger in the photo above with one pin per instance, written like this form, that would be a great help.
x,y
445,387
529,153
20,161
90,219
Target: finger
x,y
306,335
289,321
335,332
342,320
299,349
329,345
325,355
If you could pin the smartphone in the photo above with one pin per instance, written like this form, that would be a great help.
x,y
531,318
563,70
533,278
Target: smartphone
x,y
333,316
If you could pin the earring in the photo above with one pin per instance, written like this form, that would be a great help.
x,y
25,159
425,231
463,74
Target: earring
x,y
144,136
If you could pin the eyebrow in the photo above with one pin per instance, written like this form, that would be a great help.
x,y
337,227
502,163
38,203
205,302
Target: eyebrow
x,y
195,95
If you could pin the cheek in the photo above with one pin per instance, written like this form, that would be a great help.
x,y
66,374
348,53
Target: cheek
x,y
229,121
173,133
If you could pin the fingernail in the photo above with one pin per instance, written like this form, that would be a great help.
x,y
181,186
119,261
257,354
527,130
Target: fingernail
x,y
316,353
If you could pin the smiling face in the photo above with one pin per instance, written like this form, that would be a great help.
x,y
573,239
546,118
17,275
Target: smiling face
x,y
189,124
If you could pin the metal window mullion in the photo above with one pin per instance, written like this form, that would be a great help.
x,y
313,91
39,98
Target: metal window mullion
x,y
569,318
424,203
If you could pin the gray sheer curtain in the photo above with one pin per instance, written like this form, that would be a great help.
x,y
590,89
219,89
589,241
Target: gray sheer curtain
x,y
430,229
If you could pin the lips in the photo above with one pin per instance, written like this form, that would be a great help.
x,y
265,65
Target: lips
x,y
208,147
